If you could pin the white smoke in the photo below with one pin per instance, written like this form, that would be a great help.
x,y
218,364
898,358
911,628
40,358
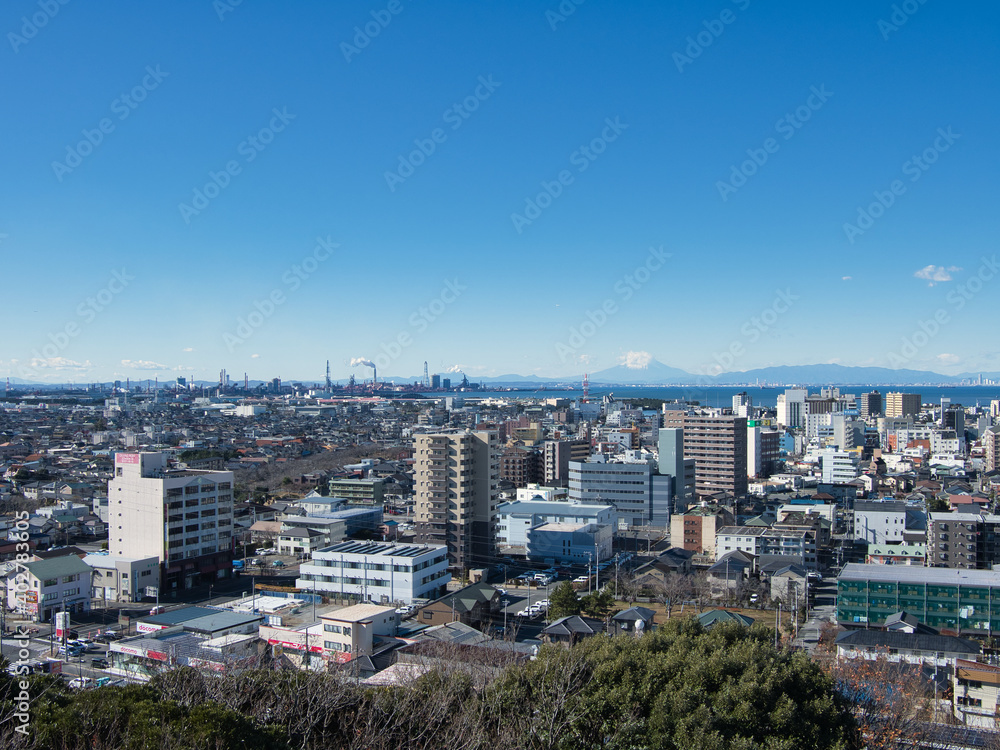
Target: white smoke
x,y
361,361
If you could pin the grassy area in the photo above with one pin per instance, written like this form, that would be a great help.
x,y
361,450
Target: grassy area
x,y
766,616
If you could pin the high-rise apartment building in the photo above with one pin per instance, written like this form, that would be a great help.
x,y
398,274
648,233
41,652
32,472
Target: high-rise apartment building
x,y
902,404
718,445
183,517
991,448
456,476
870,405
558,454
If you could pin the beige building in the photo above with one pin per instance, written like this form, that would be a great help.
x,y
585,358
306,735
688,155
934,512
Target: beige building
x,y
695,530
991,448
350,632
456,476
902,404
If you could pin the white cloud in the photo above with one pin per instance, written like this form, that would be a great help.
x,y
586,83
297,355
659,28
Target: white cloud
x,y
187,349
936,274
254,356
143,364
636,360
948,359
59,363
455,368
846,278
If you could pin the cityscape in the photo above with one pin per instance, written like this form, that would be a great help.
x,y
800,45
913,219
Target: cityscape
x,y
548,375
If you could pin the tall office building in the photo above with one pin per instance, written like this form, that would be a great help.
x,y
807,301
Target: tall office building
x,y
792,407
640,496
870,405
902,404
456,476
672,463
718,446
743,405
183,517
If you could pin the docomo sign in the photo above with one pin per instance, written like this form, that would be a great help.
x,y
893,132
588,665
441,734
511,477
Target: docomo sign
x,y
144,627
126,458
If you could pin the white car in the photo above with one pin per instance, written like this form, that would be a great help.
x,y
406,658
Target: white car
x,y
525,613
581,579
78,683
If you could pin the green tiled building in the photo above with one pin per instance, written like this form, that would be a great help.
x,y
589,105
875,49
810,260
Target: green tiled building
x,y
949,599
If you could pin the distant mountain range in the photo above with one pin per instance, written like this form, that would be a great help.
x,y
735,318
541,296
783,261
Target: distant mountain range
x,y
656,373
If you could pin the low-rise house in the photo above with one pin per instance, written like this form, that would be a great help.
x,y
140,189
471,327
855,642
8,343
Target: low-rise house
x,y
634,620
932,650
568,631
712,617
976,694
475,605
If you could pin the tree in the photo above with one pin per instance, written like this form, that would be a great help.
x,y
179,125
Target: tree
x,y
564,601
598,603
888,700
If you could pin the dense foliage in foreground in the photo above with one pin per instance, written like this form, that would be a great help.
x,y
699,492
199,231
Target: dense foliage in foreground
x,y
677,688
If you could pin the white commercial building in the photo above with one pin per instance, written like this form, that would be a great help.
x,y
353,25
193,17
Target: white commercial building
x,y
183,517
515,519
879,522
122,579
377,572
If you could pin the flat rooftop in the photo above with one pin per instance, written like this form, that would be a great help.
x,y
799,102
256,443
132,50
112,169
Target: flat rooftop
x,y
917,574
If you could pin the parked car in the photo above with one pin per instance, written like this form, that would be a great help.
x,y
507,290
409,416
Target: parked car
x,y
78,683
581,579
157,610
277,564
100,663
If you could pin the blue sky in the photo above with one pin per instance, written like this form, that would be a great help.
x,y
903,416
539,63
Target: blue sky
x,y
115,267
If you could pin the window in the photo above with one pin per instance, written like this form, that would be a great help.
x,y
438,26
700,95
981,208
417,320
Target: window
x,y
50,582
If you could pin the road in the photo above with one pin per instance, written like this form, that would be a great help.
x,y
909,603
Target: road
x,y
823,611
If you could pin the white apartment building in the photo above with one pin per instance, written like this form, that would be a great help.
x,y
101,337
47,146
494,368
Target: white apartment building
x,y
183,517
377,572
838,466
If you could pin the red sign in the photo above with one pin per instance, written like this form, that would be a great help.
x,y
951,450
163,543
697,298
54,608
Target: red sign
x,y
126,458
